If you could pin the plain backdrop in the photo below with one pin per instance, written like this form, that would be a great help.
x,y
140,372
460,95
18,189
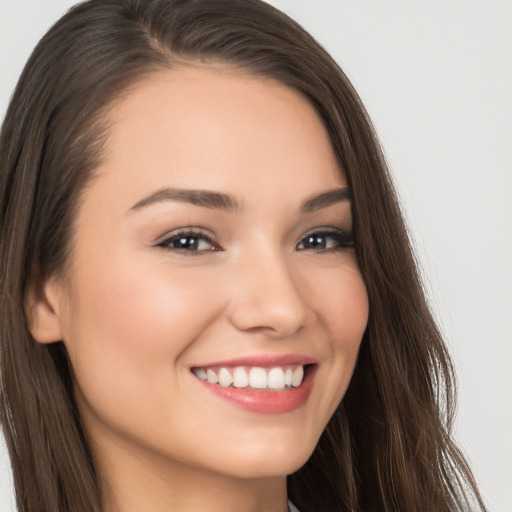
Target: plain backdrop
x,y
436,77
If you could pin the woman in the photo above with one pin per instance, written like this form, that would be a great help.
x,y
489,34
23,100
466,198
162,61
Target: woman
x,y
181,328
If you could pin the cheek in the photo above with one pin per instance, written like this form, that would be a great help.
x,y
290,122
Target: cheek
x,y
129,326
348,320
137,307
340,300
343,307
349,311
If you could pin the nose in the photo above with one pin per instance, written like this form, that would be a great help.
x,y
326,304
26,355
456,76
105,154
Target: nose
x,y
269,297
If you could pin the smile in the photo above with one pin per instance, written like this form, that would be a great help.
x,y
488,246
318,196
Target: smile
x,y
278,378
263,384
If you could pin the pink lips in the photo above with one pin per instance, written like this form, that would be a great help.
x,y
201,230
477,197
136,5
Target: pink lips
x,y
265,401
265,360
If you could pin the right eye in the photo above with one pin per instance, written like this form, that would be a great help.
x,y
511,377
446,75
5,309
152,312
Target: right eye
x,y
192,241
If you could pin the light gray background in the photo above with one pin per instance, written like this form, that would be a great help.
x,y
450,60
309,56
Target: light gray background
x,y
436,77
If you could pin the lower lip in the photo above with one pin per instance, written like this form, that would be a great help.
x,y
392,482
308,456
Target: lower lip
x,y
266,402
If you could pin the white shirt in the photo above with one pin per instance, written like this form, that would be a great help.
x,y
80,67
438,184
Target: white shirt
x,y
292,507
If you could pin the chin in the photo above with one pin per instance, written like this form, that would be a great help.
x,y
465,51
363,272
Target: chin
x,y
271,460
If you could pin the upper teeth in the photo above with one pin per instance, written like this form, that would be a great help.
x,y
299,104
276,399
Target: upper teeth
x,y
278,377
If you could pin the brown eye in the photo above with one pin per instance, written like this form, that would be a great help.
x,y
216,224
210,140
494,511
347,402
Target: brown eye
x,y
189,241
326,241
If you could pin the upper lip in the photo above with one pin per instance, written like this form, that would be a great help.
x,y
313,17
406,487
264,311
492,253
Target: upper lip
x,y
263,360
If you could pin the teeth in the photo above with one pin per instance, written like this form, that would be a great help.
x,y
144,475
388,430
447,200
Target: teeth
x,y
258,378
298,374
211,377
277,378
200,373
240,378
225,378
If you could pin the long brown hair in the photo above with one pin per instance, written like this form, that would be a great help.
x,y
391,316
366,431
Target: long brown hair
x,y
388,445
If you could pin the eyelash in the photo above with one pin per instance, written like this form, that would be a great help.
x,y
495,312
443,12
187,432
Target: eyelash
x,y
343,240
195,233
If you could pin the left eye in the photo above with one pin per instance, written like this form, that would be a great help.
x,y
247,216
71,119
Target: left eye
x,y
189,241
326,241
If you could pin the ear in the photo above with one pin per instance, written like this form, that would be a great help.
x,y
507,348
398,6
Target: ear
x,y
43,311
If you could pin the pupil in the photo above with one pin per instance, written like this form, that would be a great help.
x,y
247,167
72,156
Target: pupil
x,y
316,241
185,243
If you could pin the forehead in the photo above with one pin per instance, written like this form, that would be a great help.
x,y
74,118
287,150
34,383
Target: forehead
x,y
216,128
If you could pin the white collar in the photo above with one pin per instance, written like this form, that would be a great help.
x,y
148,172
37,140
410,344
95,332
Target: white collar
x,y
292,507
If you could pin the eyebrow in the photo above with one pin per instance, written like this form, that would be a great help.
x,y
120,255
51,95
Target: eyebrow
x,y
326,199
222,201
204,198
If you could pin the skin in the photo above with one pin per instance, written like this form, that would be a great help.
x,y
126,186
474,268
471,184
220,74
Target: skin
x,y
136,316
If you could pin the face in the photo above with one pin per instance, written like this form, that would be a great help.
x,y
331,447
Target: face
x,y
215,244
